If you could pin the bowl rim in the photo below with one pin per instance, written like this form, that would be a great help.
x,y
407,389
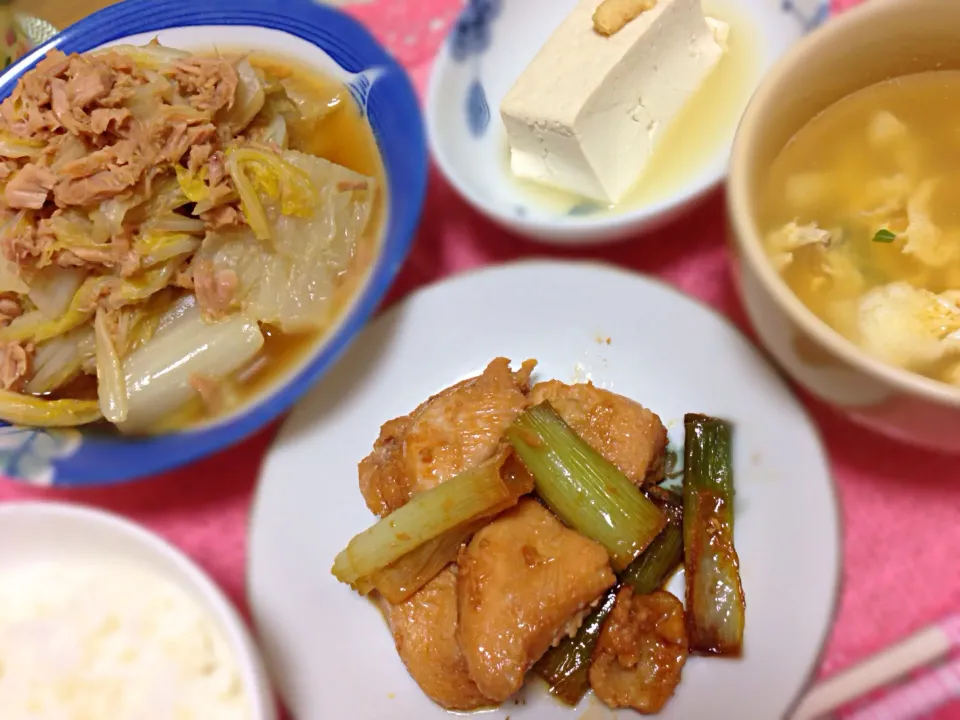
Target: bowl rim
x,y
746,235
215,602
99,462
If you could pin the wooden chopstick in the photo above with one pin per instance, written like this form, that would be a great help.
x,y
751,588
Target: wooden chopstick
x,y
919,650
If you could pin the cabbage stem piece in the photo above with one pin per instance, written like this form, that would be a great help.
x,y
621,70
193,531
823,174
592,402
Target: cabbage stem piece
x,y
566,667
53,289
473,494
249,98
158,373
111,384
37,327
715,604
58,361
153,55
20,409
582,488
259,174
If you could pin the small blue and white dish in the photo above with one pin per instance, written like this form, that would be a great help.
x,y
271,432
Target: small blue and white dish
x,y
494,41
315,35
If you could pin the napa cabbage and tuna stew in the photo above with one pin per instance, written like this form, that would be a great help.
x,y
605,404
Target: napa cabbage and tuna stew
x,y
178,228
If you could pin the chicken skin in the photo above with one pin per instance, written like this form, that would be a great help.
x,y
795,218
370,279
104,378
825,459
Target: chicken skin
x,y
641,652
425,632
452,431
623,431
523,578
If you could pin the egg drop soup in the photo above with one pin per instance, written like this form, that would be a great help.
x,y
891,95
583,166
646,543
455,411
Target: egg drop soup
x,y
861,218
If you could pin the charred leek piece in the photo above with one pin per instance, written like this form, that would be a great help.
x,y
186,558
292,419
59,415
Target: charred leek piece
x,y
582,488
473,494
652,569
566,667
715,604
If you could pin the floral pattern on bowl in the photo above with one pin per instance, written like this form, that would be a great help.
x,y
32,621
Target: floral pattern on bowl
x,y
811,14
29,453
469,40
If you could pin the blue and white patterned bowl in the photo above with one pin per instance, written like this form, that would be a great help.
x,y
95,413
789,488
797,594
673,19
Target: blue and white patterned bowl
x,y
324,38
488,48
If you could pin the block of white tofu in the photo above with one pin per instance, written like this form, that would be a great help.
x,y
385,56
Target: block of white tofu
x,y
587,112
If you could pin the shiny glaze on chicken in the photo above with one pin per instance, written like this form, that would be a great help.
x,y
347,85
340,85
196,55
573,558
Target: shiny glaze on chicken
x,y
522,578
524,581
425,633
641,652
454,430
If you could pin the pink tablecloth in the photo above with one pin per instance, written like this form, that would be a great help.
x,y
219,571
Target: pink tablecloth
x,y
900,506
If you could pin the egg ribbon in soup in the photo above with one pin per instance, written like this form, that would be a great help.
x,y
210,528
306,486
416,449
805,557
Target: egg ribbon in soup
x,y
860,217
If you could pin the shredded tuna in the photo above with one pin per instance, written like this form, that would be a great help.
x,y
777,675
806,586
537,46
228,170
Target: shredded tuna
x,y
352,186
199,156
15,364
181,138
98,187
218,196
211,392
29,187
222,217
90,79
10,309
93,162
83,97
210,83
216,290
217,169
24,244
35,84
68,259
184,278
61,106
104,119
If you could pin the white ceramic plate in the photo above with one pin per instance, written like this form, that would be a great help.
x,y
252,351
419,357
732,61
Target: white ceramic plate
x,y
328,649
488,49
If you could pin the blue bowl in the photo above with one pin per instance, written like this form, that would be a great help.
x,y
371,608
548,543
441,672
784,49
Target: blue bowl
x,y
72,458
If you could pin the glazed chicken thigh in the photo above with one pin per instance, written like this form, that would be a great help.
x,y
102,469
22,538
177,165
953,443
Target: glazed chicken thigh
x,y
452,431
523,578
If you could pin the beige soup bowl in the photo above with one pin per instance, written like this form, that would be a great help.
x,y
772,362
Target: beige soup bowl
x,y
878,40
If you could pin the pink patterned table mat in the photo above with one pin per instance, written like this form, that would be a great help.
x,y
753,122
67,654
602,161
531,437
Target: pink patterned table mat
x,y
900,506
